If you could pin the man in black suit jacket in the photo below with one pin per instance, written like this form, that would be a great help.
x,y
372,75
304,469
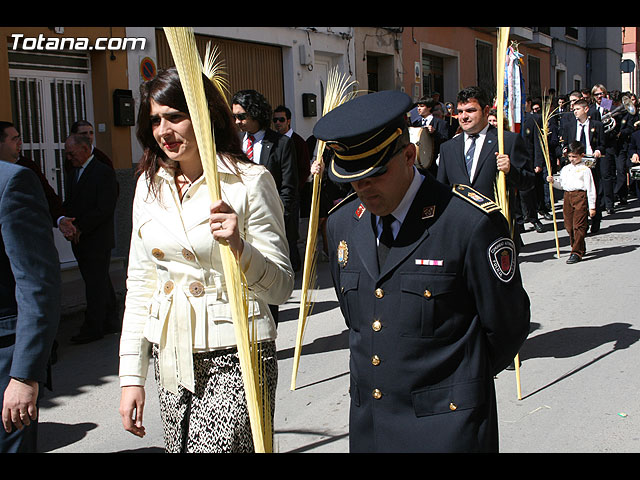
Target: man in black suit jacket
x,y
436,126
282,124
428,282
29,303
595,144
480,170
90,202
276,152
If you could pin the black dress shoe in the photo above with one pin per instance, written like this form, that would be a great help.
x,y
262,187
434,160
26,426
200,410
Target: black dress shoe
x,y
573,258
611,211
538,226
547,216
84,338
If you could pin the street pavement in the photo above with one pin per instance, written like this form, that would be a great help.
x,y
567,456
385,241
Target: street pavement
x,y
579,384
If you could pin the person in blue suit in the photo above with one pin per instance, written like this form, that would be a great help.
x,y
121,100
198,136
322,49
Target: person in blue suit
x,y
29,303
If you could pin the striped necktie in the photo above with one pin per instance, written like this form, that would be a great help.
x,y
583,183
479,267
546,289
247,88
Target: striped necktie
x,y
470,153
250,141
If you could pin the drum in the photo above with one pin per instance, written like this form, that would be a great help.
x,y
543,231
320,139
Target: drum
x,y
634,172
421,138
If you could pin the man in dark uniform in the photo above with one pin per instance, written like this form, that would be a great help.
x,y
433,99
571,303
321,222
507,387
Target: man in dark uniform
x,y
440,311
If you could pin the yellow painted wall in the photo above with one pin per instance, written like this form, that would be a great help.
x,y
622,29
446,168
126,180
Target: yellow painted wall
x,y
107,74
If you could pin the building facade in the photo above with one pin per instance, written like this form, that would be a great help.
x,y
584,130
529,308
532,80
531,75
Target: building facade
x,y
52,76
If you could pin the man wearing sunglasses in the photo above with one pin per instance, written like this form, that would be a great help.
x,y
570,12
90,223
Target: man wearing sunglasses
x,y
264,146
428,282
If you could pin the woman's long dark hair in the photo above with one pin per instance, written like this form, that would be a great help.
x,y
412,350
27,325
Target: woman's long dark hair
x,y
166,89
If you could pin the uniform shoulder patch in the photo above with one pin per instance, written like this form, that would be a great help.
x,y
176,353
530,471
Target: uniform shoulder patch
x,y
344,201
475,198
502,258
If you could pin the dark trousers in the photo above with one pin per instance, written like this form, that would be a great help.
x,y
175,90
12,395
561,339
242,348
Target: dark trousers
x,y
606,165
100,315
528,203
543,195
576,214
620,188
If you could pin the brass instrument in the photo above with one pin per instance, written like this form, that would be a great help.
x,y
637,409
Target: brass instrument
x,y
608,119
589,161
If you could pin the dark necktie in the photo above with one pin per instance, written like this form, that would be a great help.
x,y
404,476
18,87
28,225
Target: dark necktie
x,y
470,153
583,138
386,239
75,178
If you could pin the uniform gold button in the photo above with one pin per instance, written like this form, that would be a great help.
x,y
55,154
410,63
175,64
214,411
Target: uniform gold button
x,y
379,293
427,294
452,406
190,257
168,286
376,325
375,360
196,289
159,254
377,394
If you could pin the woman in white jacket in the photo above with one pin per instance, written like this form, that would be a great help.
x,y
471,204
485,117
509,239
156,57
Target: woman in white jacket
x,y
176,309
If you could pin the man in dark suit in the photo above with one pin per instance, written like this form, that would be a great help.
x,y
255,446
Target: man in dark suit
x,y
29,303
276,152
472,158
594,141
428,282
83,127
435,125
530,129
282,125
90,202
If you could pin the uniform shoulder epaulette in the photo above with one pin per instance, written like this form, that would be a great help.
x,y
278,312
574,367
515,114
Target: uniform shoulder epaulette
x,y
344,201
476,198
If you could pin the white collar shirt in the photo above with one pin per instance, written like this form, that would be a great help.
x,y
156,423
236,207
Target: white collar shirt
x,y
257,144
588,148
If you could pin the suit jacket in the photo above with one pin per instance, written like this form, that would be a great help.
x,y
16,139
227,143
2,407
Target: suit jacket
x,y
172,249
634,145
429,330
278,155
29,277
452,169
53,200
597,138
303,159
92,202
103,157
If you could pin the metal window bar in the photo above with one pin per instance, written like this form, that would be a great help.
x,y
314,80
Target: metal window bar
x,y
27,93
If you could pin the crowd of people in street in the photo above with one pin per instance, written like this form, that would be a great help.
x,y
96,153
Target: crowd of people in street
x,y
379,196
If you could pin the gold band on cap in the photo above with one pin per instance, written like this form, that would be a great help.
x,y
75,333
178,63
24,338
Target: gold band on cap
x,y
364,172
374,150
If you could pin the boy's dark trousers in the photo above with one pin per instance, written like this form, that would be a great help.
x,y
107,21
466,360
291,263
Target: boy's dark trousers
x,y
576,219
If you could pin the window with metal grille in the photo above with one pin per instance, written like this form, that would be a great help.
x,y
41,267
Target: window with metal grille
x,y
486,67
